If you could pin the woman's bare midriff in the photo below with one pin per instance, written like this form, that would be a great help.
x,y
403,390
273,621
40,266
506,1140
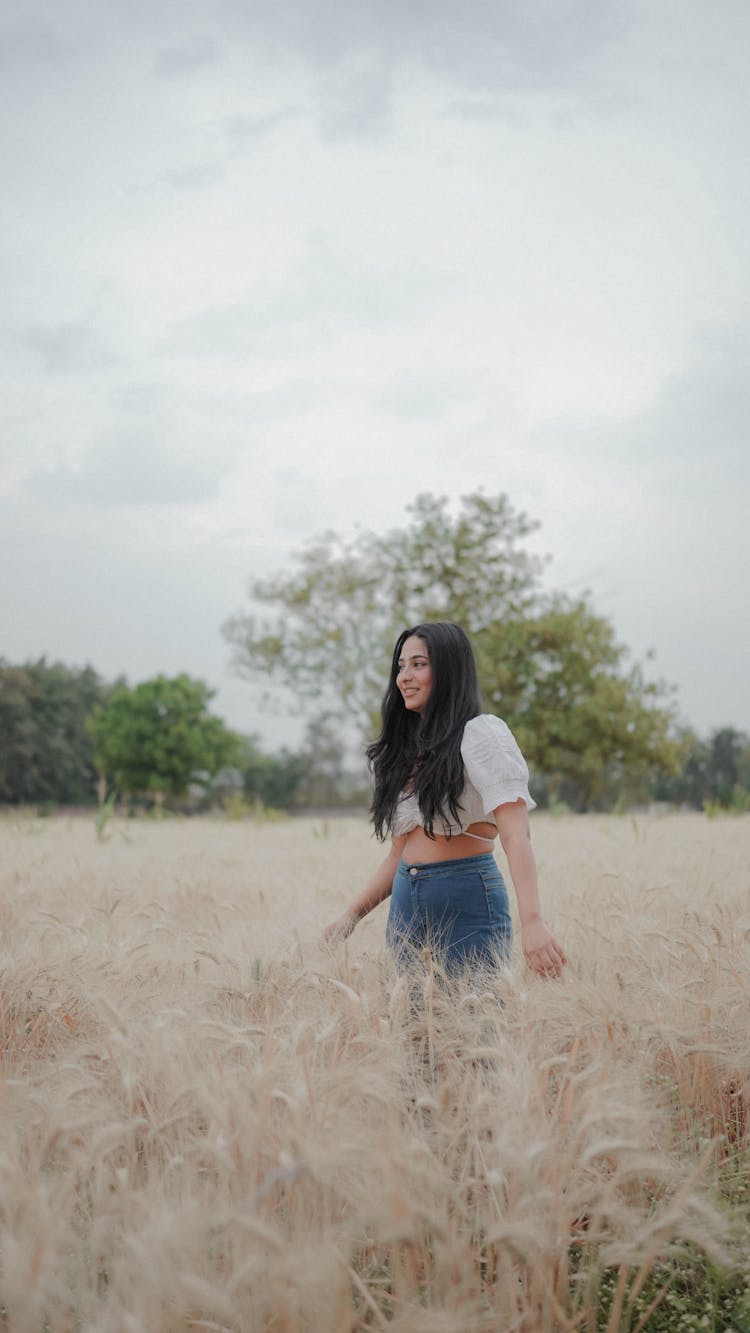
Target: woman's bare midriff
x,y
419,849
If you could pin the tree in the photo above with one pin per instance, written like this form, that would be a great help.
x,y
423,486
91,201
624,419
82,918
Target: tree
x,y
710,773
587,719
690,784
327,780
46,753
728,766
315,775
158,738
336,617
582,715
273,779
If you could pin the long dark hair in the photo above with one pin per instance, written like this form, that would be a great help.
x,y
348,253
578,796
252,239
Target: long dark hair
x,y
423,752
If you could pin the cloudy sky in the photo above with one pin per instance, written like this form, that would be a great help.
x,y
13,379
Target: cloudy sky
x,y
271,267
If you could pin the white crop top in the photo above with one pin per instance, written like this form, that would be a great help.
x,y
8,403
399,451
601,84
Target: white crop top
x,y
496,774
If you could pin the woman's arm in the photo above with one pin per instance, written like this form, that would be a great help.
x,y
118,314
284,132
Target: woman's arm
x,y
541,950
377,888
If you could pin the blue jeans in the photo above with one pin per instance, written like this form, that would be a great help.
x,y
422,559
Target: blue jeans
x,y
458,909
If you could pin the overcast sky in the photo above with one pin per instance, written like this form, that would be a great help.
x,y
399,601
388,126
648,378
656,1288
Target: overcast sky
x,y
271,267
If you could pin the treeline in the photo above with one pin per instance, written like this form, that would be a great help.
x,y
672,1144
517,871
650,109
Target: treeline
x,y
70,738
46,750
597,733
713,774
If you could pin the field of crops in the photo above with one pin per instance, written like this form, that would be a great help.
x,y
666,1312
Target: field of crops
x,y
209,1122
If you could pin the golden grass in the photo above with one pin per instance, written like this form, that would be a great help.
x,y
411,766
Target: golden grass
x,y
209,1122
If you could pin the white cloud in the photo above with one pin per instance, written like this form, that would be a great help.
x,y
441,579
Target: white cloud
x,y
133,471
527,43
187,57
31,41
72,345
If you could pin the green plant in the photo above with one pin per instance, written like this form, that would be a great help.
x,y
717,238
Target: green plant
x,y
103,817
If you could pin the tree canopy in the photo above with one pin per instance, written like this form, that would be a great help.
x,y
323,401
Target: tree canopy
x,y
586,718
712,773
46,752
335,618
158,738
270,779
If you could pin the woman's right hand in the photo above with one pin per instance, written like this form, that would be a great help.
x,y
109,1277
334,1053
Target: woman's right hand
x,y
541,950
340,929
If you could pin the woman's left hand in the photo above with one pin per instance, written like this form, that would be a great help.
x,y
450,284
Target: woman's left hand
x,y
541,950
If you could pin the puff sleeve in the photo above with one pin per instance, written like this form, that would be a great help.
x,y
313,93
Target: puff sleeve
x,y
493,763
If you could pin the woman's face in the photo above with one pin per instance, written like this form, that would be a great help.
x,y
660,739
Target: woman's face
x,y
414,678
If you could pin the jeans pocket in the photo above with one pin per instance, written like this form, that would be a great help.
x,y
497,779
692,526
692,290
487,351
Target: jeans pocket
x,y
496,899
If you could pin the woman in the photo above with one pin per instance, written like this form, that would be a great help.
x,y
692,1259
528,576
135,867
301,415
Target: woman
x,y
448,779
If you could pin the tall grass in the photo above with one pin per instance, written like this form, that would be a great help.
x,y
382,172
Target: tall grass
x,y
209,1122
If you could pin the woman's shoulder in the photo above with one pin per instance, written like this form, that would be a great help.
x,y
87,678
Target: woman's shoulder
x,y
493,761
485,727
486,736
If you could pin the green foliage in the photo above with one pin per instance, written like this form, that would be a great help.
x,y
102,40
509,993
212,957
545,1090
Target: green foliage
x,y
684,1292
587,720
336,616
46,754
316,775
270,780
729,767
712,775
327,781
158,738
103,817
582,716
690,783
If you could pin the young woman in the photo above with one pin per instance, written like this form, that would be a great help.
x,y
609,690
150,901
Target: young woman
x,y
448,780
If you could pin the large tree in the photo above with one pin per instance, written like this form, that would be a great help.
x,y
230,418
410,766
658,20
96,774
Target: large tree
x,y
584,716
334,619
158,738
46,753
587,719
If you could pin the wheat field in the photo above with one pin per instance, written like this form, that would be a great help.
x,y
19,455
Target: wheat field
x,y
208,1121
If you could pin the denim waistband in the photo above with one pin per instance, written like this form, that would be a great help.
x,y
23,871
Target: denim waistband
x,y
482,861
